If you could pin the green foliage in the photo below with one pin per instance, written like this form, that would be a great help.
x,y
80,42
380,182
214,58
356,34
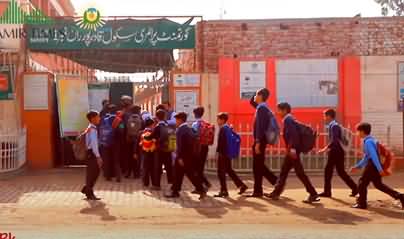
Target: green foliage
x,y
396,6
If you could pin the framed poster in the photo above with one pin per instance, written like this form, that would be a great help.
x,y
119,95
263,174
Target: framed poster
x,y
96,94
187,80
307,82
252,78
401,86
73,105
36,92
6,87
186,101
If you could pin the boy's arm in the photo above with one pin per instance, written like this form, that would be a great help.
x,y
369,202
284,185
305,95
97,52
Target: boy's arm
x,y
291,135
362,163
371,149
253,103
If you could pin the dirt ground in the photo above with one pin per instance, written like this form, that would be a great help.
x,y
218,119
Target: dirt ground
x,y
50,200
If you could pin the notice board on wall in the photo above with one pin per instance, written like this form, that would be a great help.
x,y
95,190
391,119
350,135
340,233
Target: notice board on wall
x,y
36,92
252,78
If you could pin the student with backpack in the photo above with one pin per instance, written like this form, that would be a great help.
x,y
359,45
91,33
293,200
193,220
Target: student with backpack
x,y
134,126
148,148
184,162
374,170
206,134
106,138
228,148
165,138
94,160
336,155
295,136
262,127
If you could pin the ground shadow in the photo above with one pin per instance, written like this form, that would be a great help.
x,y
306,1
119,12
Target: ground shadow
x,y
317,212
98,208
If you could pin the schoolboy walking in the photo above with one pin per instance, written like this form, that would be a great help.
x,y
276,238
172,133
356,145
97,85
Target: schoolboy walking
x,y
148,147
184,162
373,172
206,133
261,125
94,161
292,160
224,161
336,156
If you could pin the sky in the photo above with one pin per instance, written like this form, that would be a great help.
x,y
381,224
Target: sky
x,y
235,9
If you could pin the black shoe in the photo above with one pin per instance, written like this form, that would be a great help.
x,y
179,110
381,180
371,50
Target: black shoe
x,y
325,195
272,196
84,190
93,198
221,195
354,193
202,195
208,185
127,176
243,189
155,188
118,180
402,201
311,199
256,195
359,206
173,195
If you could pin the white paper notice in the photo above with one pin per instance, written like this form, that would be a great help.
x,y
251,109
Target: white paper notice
x,y
36,92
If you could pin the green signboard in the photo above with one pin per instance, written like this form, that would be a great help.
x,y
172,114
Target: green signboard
x,y
115,34
6,89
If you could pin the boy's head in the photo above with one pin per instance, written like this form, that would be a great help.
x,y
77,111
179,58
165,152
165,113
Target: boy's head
x,y
149,123
222,118
126,101
105,103
261,96
112,109
160,107
364,129
283,109
93,117
329,115
136,109
161,115
180,118
167,105
198,112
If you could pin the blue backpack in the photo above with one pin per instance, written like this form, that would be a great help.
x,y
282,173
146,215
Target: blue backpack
x,y
273,132
106,132
233,143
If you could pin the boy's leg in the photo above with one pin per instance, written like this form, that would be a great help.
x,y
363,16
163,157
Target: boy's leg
x,y
204,157
299,170
328,174
221,173
232,174
280,185
258,165
93,172
147,170
363,187
168,166
179,177
340,165
268,174
378,183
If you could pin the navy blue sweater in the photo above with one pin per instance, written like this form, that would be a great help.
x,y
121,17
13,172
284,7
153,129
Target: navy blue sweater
x,y
261,123
185,143
291,133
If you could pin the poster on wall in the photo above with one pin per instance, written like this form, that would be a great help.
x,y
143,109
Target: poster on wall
x,y
96,94
401,86
73,105
307,82
36,92
6,88
252,78
187,80
186,101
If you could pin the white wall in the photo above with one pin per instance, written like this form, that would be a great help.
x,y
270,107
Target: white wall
x,y
379,82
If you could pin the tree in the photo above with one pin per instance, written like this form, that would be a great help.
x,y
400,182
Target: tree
x,y
397,6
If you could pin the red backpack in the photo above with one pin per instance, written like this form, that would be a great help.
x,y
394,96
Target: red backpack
x,y
206,133
386,158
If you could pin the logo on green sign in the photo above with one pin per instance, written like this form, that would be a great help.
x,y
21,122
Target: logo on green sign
x,y
91,19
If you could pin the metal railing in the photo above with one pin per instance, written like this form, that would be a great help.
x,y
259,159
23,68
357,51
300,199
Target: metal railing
x,y
13,150
312,162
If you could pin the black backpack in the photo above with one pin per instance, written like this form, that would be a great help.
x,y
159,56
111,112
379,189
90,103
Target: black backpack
x,y
308,137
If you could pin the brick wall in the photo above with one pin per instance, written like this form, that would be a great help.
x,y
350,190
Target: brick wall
x,y
296,38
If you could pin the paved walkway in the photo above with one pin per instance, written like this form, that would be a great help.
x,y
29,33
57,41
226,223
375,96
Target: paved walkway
x,y
48,202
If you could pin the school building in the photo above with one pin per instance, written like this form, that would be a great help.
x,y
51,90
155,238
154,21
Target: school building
x,y
355,65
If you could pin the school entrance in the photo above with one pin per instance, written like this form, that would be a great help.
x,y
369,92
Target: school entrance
x,y
123,55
